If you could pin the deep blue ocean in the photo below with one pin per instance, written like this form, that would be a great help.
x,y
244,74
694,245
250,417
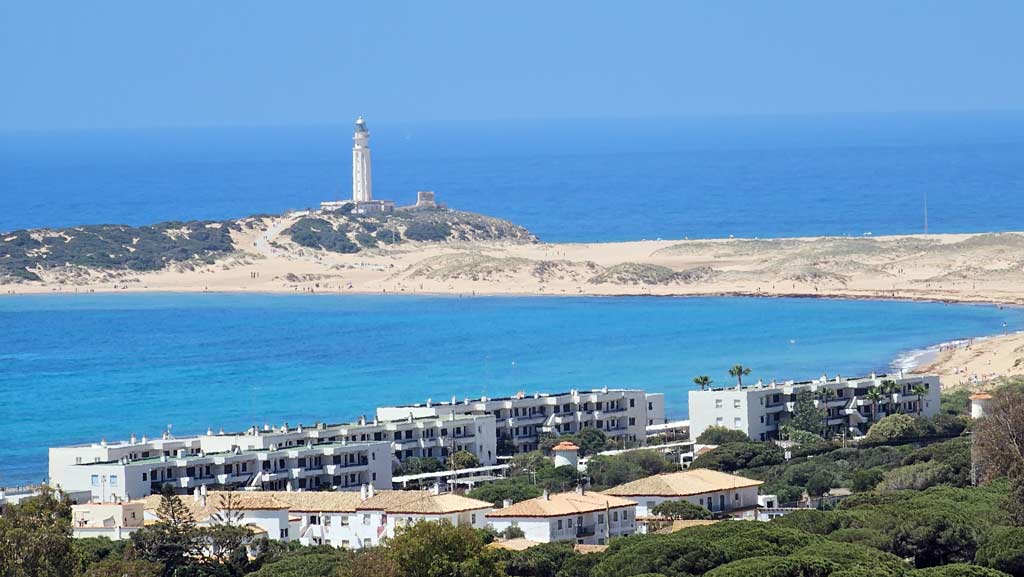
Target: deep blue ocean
x,y
78,368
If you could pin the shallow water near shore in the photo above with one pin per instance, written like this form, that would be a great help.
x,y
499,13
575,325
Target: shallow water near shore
x,y
77,368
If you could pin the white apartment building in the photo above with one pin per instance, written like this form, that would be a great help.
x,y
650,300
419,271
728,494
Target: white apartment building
x,y
337,465
579,516
341,519
410,436
622,414
760,409
324,455
713,490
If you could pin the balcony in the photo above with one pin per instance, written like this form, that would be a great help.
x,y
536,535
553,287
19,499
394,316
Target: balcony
x,y
586,531
526,419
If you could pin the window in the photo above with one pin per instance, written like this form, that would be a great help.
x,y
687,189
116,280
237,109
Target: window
x,y
559,524
472,518
615,516
632,403
650,505
570,522
95,480
113,480
736,497
737,422
735,403
284,533
600,518
366,543
632,421
366,519
144,476
718,403
718,421
344,544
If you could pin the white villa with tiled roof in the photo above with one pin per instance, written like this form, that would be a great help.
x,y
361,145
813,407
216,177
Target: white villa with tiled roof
x,y
579,516
338,518
713,490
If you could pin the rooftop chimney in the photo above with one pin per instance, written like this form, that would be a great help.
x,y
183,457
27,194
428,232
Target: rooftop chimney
x,y
579,489
506,503
132,440
362,492
195,494
370,490
547,496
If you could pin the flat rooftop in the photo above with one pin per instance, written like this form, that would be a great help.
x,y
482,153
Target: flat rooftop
x,y
188,458
515,398
778,385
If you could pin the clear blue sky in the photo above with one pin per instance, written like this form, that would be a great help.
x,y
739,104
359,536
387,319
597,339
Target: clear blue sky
x,y
120,64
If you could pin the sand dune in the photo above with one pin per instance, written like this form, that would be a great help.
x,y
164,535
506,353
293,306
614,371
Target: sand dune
x,y
961,268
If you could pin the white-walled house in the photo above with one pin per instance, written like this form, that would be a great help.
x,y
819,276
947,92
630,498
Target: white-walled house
x,y
713,490
260,511
580,516
338,518
115,520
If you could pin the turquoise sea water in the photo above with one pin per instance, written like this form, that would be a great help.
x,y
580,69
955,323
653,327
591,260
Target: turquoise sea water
x,y
78,368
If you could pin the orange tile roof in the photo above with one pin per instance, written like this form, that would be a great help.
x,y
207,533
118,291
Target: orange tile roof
x,y
398,502
561,504
513,544
683,483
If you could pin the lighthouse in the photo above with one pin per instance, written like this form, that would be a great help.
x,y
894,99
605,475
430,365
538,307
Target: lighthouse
x,y
362,184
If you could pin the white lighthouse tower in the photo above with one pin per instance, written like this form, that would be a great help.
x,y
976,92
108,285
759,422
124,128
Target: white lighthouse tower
x,y
362,184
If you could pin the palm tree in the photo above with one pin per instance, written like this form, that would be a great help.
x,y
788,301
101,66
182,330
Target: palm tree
x,y
703,381
920,390
889,388
825,395
874,395
739,371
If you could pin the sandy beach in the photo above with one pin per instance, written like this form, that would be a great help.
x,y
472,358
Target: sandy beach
x,y
982,268
962,268
973,363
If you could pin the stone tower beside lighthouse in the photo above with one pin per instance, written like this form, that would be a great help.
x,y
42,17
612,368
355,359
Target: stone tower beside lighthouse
x,y
362,180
